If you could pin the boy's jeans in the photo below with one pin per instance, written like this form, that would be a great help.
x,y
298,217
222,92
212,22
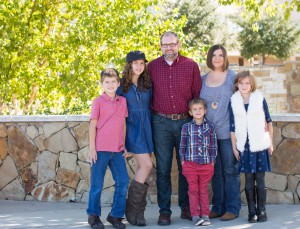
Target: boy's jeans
x,y
117,166
198,177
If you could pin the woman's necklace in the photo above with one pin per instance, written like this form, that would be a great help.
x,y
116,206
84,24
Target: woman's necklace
x,y
214,105
215,99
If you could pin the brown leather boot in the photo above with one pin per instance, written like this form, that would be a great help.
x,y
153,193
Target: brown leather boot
x,y
135,203
140,218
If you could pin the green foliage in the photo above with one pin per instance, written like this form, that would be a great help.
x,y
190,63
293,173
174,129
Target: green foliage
x,y
274,36
198,30
204,26
256,8
201,20
52,50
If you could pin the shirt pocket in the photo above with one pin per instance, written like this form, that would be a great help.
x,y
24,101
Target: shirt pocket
x,y
205,140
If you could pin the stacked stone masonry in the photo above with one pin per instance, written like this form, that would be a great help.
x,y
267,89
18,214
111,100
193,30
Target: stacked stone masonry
x,y
48,161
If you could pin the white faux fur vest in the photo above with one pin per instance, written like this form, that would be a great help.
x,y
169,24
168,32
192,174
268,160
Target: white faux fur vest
x,y
251,122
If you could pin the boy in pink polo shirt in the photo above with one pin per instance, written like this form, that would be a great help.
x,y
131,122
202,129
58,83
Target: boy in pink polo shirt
x,y
107,134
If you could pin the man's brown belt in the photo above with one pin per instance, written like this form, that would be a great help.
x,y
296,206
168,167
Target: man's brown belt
x,y
173,116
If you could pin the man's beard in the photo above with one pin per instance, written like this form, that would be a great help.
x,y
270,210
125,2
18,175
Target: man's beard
x,y
170,56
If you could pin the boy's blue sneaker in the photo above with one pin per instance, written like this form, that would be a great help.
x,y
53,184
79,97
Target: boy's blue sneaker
x,y
116,222
197,220
95,222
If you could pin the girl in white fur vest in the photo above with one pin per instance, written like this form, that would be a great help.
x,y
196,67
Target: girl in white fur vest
x,y
251,135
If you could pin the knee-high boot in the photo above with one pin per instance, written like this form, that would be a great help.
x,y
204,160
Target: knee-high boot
x,y
136,193
140,218
261,205
251,197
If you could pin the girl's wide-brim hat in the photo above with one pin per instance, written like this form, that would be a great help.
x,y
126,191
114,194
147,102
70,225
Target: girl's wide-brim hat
x,y
135,55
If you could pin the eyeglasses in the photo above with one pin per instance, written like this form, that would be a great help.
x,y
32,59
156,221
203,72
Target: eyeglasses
x,y
172,45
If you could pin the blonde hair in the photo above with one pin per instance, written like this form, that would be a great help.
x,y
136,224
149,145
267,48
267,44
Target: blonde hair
x,y
110,73
242,75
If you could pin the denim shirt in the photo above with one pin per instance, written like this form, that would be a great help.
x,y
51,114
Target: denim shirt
x,y
198,142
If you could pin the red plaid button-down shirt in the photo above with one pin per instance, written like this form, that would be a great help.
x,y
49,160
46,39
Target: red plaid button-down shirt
x,y
174,85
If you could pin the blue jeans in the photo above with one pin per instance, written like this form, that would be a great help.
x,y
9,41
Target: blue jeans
x,y
117,166
226,181
166,136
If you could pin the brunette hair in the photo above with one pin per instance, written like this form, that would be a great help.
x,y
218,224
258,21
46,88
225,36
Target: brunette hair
x,y
143,80
197,101
242,75
210,57
109,72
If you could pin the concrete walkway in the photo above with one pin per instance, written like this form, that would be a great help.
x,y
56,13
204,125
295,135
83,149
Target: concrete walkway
x,y
32,214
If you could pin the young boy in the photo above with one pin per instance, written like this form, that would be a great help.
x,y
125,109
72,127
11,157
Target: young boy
x,y
107,129
198,151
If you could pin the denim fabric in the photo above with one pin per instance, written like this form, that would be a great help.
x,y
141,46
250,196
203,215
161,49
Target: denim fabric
x,y
226,180
166,136
117,166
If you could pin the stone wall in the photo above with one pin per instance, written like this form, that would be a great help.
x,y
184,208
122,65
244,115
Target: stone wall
x,y
280,85
45,158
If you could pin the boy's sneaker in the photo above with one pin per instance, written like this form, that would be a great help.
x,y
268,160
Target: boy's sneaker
x,y
116,222
206,221
95,222
197,220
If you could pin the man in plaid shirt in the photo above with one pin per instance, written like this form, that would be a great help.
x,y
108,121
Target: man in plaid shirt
x,y
176,80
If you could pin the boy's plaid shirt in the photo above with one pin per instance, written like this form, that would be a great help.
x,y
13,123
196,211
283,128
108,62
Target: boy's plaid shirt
x,y
198,142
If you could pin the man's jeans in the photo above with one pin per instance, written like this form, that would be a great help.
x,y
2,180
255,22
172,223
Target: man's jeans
x,y
226,181
116,163
166,136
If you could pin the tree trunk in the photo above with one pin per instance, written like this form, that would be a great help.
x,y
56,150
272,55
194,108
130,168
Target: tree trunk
x,y
262,59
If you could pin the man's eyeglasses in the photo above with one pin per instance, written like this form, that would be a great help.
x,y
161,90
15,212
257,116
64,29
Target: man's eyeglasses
x,y
172,45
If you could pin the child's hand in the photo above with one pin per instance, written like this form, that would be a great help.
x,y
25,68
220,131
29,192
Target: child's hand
x,y
236,154
266,127
270,150
127,154
182,162
93,156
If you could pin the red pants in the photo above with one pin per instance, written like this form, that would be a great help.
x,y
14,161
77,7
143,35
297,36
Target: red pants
x,y
198,177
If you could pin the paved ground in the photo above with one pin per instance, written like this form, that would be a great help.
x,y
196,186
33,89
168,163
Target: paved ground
x,y
31,214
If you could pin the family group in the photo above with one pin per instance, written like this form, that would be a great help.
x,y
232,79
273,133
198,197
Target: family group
x,y
218,123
